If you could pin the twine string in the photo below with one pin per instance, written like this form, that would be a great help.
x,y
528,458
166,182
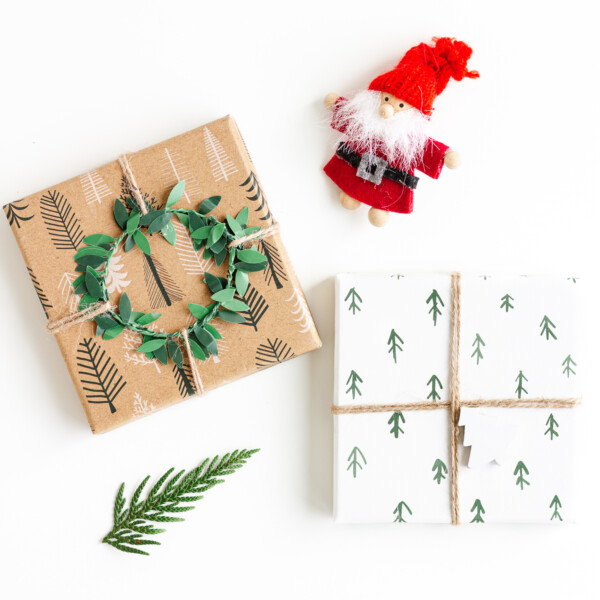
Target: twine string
x,y
454,404
131,183
257,235
93,310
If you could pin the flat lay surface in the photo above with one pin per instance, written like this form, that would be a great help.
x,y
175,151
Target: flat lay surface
x,y
84,84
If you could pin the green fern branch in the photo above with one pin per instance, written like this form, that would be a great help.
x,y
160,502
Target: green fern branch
x,y
133,523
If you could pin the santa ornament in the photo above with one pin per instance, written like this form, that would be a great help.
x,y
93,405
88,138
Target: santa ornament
x,y
385,130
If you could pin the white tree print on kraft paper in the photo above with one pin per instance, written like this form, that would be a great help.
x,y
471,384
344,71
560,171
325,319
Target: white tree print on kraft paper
x,y
192,262
221,165
116,278
140,406
94,187
131,342
65,287
300,311
515,462
174,170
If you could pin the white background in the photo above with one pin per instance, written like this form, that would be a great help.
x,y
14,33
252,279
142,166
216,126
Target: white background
x,y
83,82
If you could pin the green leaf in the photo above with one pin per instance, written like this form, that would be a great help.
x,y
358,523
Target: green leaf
x,y
249,267
220,257
206,339
142,242
98,238
133,221
241,283
93,285
184,219
235,305
213,331
215,234
129,243
161,354
209,204
169,233
251,256
112,333
121,214
79,280
197,352
214,283
235,227
242,217
85,302
125,307
151,345
148,318
198,310
223,295
175,353
105,321
231,317
146,219
196,220
91,251
176,194
160,222
201,233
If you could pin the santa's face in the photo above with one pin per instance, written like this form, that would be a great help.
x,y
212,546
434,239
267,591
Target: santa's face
x,y
399,135
390,105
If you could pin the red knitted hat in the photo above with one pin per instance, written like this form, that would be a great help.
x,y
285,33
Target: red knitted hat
x,y
424,72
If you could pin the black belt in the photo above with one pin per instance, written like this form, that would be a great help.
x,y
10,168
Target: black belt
x,y
374,168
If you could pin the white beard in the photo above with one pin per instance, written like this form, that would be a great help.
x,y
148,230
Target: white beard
x,y
401,138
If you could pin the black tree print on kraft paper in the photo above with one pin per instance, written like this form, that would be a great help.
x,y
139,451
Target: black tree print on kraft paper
x,y
98,374
272,352
44,301
257,307
183,379
255,194
162,289
61,221
16,214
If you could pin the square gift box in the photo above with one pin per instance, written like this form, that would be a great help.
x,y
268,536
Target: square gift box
x,y
455,398
114,381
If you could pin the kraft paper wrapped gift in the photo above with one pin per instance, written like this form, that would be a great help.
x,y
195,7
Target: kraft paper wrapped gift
x,y
425,364
114,382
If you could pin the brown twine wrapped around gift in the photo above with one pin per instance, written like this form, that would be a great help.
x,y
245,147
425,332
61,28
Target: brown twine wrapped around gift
x,y
455,403
99,308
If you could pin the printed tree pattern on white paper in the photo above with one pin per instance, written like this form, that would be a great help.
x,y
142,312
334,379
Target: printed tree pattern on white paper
x,y
300,310
140,406
174,170
94,187
221,165
191,261
523,345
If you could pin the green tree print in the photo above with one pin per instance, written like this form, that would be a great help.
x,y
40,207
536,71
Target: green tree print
x,y
441,470
555,504
355,300
506,305
398,511
353,380
520,471
552,424
434,384
354,461
480,511
395,343
436,302
547,328
478,343
520,387
568,365
394,421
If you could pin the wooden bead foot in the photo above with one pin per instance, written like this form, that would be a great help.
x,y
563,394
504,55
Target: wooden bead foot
x,y
348,202
379,218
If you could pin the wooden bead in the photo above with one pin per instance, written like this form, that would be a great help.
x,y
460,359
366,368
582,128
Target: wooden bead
x,y
348,202
452,159
330,100
379,218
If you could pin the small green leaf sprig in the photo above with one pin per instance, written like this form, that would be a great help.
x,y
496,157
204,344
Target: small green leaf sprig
x,y
132,524
206,232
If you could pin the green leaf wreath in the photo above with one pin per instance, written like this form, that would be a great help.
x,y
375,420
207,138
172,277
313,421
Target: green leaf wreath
x,y
206,231
131,524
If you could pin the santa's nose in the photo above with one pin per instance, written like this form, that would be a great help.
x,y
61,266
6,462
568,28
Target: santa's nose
x,y
386,111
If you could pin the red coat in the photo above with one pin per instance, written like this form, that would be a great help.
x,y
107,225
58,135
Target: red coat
x,y
388,195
